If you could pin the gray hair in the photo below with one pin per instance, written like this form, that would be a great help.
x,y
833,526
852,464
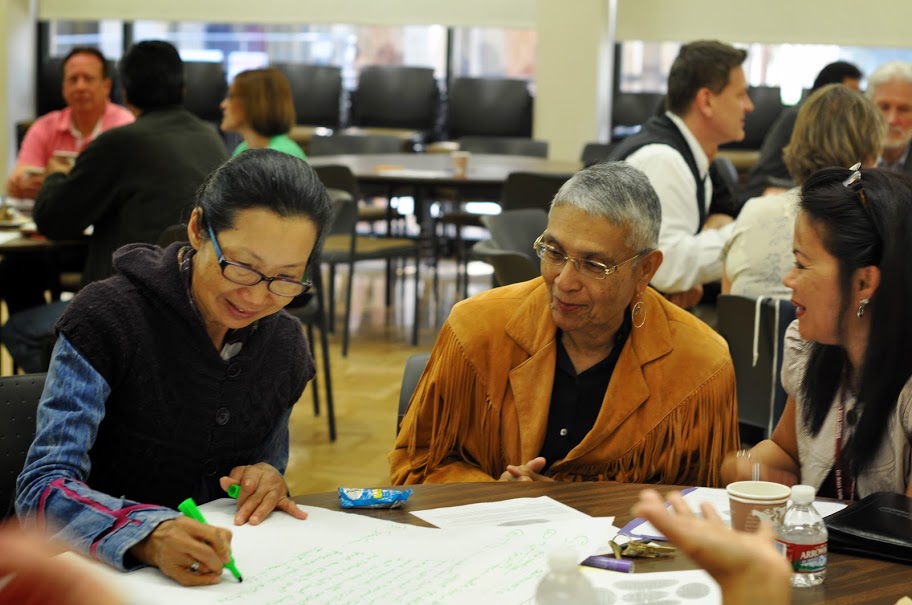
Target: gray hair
x,y
894,70
620,193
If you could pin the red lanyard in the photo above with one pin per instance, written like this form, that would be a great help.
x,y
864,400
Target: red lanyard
x,y
838,470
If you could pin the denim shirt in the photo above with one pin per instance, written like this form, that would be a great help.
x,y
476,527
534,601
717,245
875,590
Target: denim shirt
x,y
51,490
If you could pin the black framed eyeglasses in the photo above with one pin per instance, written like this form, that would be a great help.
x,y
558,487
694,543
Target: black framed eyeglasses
x,y
589,268
245,275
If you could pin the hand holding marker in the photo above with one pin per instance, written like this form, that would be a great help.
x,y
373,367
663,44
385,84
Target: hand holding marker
x,y
188,507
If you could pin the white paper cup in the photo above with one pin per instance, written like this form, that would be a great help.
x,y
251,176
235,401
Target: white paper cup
x,y
752,501
460,163
69,157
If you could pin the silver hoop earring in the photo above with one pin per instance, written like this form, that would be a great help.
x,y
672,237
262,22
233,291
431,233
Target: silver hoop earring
x,y
861,307
638,309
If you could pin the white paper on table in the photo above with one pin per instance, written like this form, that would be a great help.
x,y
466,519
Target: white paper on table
x,y
8,236
516,511
511,513
335,557
695,587
719,500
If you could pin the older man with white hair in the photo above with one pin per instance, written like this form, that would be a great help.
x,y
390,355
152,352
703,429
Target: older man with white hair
x,y
890,87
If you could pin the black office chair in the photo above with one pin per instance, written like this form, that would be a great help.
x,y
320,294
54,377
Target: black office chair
x,y
205,87
768,105
509,251
343,245
19,396
396,96
414,368
593,153
510,267
489,107
756,350
630,109
517,229
317,93
310,310
338,176
356,144
520,190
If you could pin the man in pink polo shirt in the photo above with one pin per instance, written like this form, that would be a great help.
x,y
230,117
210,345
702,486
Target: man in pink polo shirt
x,y
89,112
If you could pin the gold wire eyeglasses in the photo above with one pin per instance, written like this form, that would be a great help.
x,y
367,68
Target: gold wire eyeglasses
x,y
589,268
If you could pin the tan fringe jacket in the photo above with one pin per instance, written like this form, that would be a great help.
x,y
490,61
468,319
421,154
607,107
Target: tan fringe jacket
x,y
669,414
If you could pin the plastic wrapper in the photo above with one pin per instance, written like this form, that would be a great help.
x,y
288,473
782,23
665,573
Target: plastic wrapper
x,y
359,497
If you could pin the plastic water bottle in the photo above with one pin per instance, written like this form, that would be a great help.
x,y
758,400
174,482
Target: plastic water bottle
x,y
564,582
802,538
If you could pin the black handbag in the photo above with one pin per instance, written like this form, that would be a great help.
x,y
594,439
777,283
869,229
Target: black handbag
x,y
878,526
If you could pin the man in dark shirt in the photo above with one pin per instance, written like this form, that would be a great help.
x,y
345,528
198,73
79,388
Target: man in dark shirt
x,y
129,183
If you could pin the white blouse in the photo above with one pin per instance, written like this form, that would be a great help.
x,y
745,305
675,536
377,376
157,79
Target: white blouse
x,y
891,468
759,253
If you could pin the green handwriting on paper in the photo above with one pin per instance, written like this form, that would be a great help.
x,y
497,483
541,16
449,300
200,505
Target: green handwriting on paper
x,y
434,566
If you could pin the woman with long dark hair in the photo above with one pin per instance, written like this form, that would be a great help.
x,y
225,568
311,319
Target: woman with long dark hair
x,y
847,426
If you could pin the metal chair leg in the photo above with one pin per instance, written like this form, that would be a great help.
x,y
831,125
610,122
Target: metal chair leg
x,y
315,386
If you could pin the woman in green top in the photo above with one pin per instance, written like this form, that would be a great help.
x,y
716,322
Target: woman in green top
x,y
259,107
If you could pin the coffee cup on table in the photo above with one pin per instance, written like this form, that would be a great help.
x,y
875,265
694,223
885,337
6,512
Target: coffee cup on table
x,y
67,157
753,501
460,163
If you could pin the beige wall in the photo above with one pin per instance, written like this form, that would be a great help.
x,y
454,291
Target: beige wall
x,y
509,13
573,74
873,22
16,74
846,22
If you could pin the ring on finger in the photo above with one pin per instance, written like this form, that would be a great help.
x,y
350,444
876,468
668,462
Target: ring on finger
x,y
194,567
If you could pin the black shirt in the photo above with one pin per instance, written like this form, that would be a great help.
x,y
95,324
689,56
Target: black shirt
x,y
576,399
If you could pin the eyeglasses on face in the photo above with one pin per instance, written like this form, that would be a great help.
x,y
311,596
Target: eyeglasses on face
x,y
589,268
245,275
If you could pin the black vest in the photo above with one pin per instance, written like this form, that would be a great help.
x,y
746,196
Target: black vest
x,y
178,416
661,130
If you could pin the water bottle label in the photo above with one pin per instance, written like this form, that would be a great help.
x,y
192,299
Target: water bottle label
x,y
804,558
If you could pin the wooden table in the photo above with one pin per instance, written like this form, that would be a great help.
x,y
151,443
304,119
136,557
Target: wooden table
x,y
850,580
485,170
38,244
425,173
302,134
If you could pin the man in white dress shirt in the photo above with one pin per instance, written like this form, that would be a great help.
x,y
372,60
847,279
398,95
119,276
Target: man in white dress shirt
x,y
706,105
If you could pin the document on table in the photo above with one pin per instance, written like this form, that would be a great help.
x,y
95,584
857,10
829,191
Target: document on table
x,y
640,528
695,587
335,557
516,511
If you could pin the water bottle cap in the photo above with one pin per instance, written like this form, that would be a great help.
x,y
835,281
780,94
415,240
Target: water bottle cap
x,y
803,494
563,558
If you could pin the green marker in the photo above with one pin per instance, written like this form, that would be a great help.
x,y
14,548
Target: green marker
x,y
234,490
188,507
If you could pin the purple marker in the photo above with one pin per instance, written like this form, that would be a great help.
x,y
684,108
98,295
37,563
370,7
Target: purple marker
x,y
609,563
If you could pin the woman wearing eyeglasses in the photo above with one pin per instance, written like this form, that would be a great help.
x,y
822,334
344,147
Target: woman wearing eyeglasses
x,y
585,373
176,377
847,366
